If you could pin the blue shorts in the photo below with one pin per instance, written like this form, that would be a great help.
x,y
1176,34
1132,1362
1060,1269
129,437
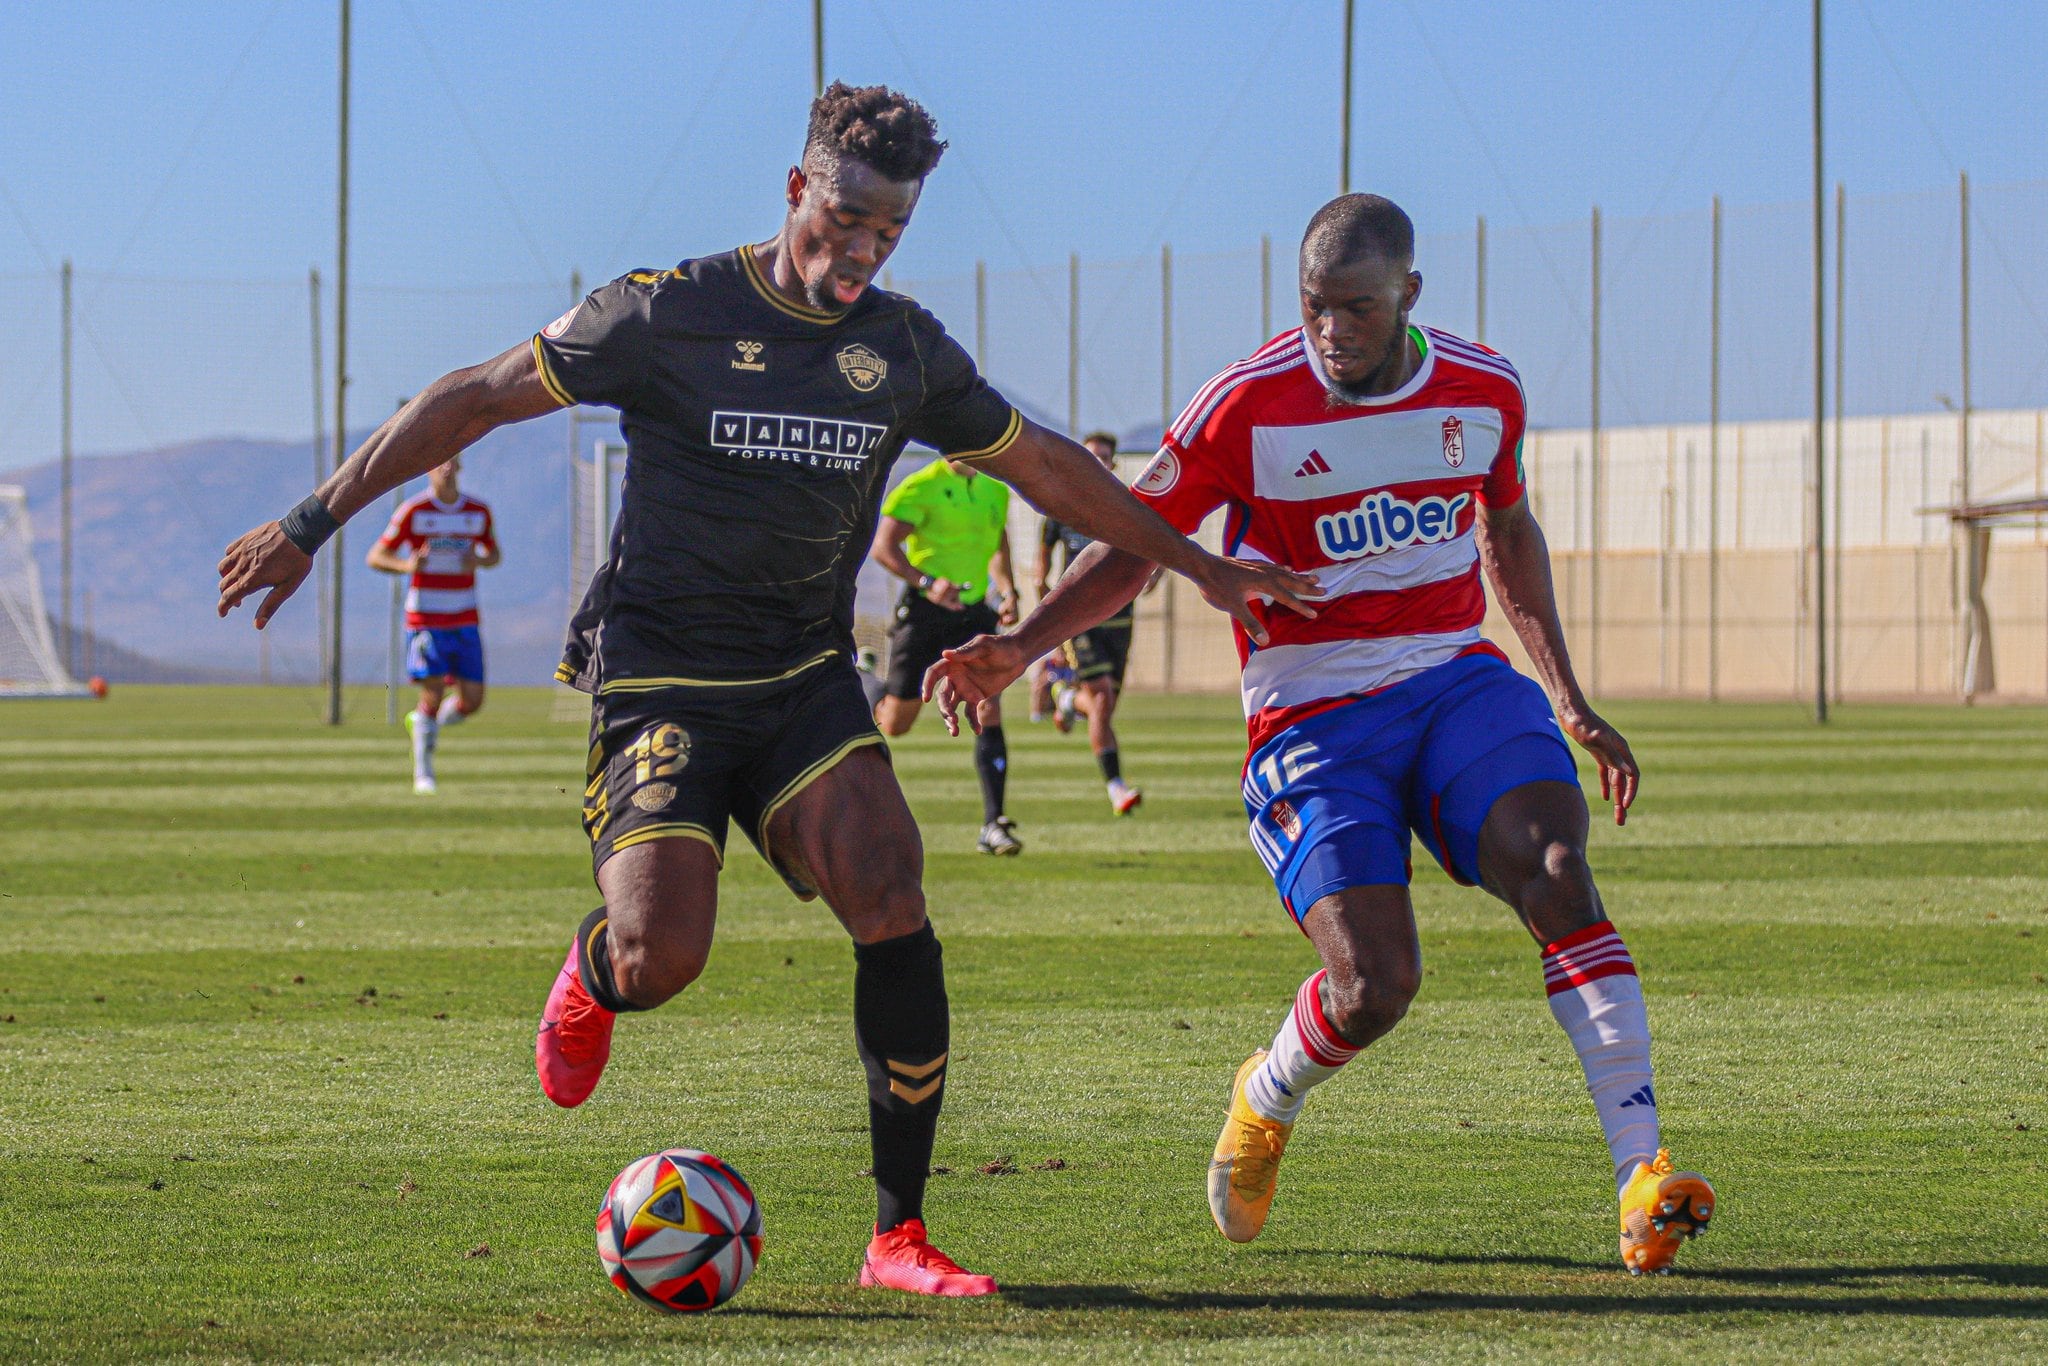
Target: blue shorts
x,y
1333,798
445,652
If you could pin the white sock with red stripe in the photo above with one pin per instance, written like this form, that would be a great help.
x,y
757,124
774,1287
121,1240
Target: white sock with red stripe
x,y
1305,1052
451,711
1595,995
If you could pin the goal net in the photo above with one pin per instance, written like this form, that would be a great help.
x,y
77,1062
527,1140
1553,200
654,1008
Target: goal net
x,y
29,666
597,471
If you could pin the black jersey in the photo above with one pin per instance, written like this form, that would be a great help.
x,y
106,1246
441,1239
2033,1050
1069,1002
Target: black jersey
x,y
759,436
1070,543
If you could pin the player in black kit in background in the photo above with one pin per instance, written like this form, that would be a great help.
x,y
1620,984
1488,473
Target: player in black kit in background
x,y
765,393
1098,656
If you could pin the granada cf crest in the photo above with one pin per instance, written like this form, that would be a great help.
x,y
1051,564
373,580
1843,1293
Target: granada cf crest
x,y
1454,441
863,368
1285,816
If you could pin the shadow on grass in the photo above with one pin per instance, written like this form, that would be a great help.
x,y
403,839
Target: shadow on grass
x,y
1686,1300
2026,1275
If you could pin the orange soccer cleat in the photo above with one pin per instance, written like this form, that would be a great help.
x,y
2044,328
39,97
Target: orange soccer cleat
x,y
1660,1209
1246,1164
904,1259
575,1039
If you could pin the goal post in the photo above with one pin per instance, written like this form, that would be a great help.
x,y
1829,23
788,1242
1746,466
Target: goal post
x,y
29,665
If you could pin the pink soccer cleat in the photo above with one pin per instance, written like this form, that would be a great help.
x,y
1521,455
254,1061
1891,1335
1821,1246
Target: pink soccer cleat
x,y
575,1039
904,1259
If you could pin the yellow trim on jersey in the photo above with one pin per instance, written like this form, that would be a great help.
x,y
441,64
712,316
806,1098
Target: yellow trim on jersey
x,y
772,295
802,781
1001,444
646,834
547,377
622,685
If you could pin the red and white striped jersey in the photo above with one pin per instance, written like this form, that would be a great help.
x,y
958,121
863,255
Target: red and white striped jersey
x,y
443,591
1377,499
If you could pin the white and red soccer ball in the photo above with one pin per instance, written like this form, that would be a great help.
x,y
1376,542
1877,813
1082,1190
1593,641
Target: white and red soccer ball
x,y
680,1230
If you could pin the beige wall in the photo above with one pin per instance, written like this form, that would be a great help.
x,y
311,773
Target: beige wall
x,y
1894,590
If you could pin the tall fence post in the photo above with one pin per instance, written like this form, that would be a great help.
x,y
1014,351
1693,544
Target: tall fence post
x,y
64,497
323,565
1841,285
575,435
1169,655
981,315
1975,655
1479,261
1165,337
1074,345
1820,398
1963,449
1714,472
1265,289
336,552
1594,482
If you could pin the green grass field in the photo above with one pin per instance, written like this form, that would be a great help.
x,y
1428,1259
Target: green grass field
x,y
266,1081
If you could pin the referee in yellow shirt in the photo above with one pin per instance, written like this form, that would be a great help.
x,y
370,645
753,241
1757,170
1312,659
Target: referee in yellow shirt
x,y
944,532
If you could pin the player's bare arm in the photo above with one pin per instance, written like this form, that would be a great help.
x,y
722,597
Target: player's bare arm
x,y
390,561
888,552
1096,586
485,559
448,416
1062,480
1517,561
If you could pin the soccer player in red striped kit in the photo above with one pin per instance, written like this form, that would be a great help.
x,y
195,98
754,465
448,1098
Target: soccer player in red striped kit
x,y
438,540
1386,459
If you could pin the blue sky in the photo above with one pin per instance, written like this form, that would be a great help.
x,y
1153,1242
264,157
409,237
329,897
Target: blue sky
x,y
507,143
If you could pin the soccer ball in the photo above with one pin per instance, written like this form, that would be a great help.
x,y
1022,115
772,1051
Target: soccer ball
x,y
679,1230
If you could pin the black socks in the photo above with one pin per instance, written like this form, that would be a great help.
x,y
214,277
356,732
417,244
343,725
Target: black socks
x,y
991,765
594,962
1112,766
899,1023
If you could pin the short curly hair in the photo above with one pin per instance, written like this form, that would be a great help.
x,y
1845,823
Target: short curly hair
x,y
883,129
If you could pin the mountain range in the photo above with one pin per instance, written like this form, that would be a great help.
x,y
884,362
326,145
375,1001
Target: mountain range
x,y
149,528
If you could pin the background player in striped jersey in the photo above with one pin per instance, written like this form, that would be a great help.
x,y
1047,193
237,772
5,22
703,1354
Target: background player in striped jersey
x,y
440,539
1386,458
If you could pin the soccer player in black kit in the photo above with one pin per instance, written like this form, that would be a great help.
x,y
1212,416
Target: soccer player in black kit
x,y
765,392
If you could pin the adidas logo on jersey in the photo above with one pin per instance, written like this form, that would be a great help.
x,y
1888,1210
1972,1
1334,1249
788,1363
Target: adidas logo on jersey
x,y
1382,522
1315,464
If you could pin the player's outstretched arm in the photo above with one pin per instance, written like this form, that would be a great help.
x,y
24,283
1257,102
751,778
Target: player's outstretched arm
x,y
1517,560
1095,587
447,416
1062,480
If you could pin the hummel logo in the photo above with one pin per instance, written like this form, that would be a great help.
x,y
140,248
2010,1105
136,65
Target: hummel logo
x,y
1643,1096
1315,464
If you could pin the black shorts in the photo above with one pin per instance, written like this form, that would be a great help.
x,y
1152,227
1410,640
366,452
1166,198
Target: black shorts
x,y
680,762
923,631
1103,652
